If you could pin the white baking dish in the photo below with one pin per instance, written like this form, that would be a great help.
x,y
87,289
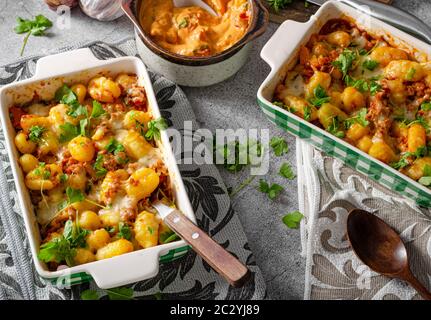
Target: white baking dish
x,y
79,66
281,53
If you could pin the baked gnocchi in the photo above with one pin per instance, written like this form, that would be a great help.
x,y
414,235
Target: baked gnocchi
x,y
92,166
365,91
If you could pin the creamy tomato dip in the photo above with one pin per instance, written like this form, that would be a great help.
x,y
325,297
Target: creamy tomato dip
x,y
193,31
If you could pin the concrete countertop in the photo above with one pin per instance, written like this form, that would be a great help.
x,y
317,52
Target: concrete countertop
x,y
231,104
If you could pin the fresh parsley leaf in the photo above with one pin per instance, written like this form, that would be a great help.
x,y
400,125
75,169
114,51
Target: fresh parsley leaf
x,y
307,113
359,118
363,52
370,64
292,220
122,293
286,171
154,128
168,237
97,110
57,250
89,295
83,123
124,231
63,178
404,160
272,191
75,234
282,105
65,95
184,23
36,27
410,74
279,4
69,131
114,146
345,61
279,145
36,133
74,195
335,128
98,166
232,151
320,96
374,87
426,106
360,84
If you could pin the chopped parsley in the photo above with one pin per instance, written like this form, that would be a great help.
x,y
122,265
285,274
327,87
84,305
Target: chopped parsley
x,y
293,219
72,196
336,128
320,96
307,113
370,64
345,61
272,191
286,171
282,105
404,160
231,154
279,145
167,237
114,146
154,128
359,118
279,4
98,166
69,131
426,106
184,23
97,110
63,248
36,133
124,231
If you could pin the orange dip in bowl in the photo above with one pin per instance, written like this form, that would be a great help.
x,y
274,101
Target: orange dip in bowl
x,y
193,31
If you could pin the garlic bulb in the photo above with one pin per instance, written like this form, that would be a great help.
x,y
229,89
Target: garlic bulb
x,y
53,4
104,10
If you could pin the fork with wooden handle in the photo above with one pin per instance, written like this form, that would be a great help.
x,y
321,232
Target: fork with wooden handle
x,y
215,255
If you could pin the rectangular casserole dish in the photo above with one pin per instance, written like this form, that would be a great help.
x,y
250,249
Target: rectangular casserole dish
x,y
281,52
80,66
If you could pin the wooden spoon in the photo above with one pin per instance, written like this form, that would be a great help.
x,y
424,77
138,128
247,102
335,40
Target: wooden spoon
x,y
381,248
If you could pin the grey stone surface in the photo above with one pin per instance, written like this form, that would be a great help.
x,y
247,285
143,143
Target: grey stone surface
x,y
231,104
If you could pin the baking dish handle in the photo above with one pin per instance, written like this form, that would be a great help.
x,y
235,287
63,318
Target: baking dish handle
x,y
275,50
125,269
66,62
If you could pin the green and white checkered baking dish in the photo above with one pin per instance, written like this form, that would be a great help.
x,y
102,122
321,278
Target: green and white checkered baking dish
x,y
281,53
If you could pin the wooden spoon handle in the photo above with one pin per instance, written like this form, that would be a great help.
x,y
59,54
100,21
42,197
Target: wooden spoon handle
x,y
420,288
215,255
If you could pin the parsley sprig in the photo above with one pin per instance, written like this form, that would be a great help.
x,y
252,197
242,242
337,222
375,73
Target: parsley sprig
x,y
35,134
271,190
345,61
36,27
404,160
292,220
154,128
279,4
279,145
320,96
63,248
